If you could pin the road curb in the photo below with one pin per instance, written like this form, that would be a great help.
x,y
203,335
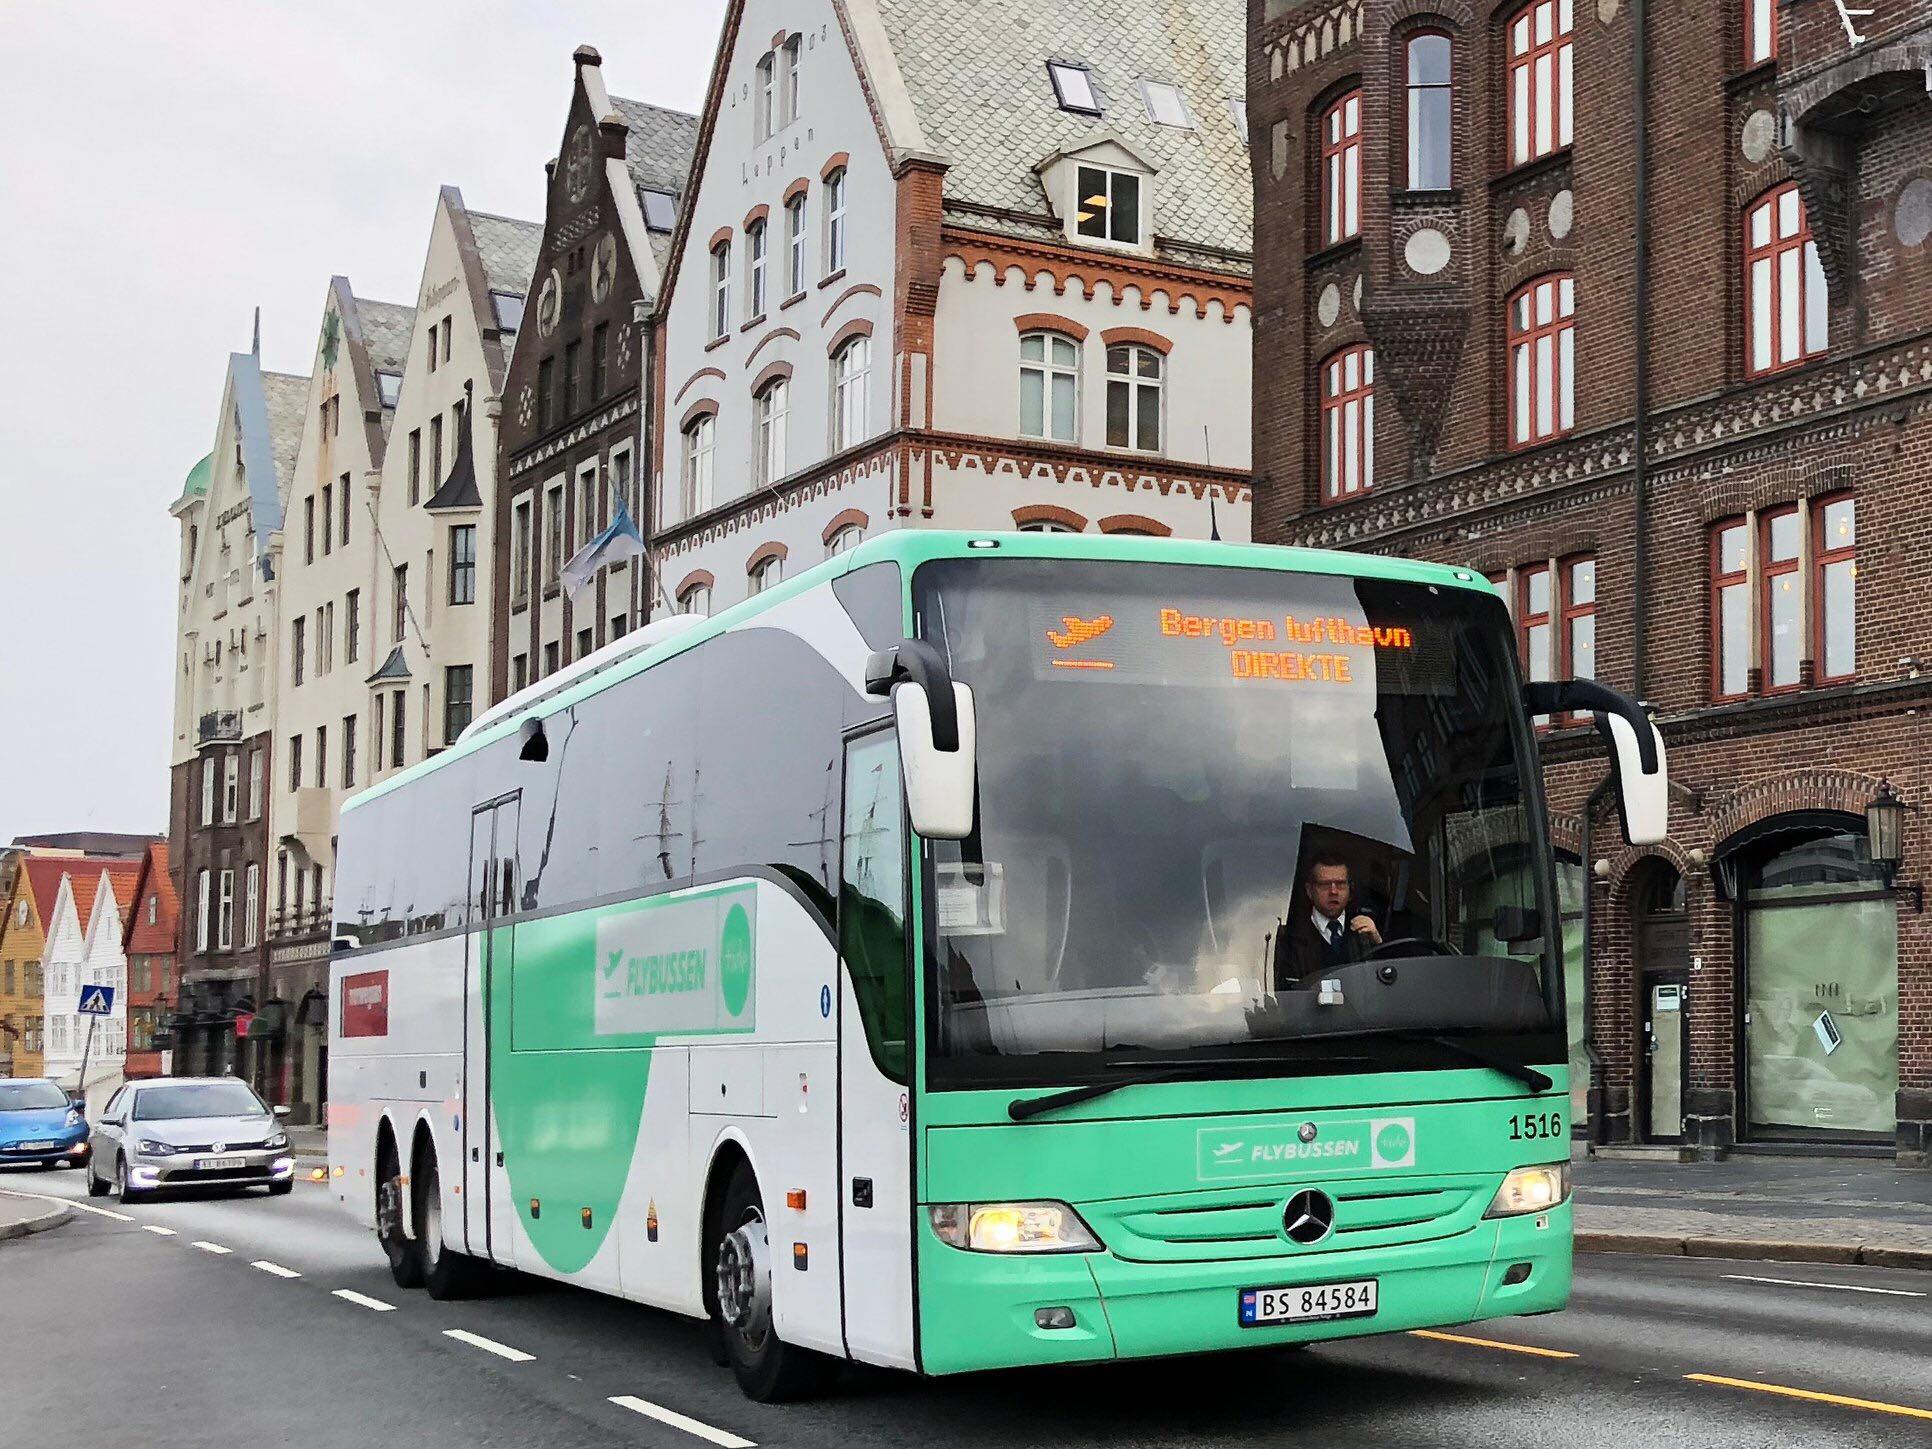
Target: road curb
x,y
50,1219
1871,1255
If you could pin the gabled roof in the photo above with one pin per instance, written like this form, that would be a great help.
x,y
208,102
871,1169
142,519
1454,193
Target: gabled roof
x,y
388,328
122,875
993,129
508,248
44,875
660,145
154,880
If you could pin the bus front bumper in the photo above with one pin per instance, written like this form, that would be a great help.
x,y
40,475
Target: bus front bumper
x,y
989,1310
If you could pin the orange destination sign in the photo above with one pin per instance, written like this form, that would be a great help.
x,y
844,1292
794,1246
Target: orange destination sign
x,y
1321,660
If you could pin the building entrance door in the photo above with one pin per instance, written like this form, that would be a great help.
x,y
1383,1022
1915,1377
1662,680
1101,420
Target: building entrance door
x,y
1665,1058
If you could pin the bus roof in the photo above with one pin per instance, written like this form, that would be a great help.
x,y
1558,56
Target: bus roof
x,y
910,547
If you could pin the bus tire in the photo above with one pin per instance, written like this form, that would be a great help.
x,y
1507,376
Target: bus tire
x,y
767,1368
405,1263
447,1274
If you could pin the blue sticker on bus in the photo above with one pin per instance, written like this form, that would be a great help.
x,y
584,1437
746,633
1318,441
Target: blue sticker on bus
x,y
825,1002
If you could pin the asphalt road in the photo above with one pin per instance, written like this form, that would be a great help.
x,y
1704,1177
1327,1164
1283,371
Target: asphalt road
x,y
114,1330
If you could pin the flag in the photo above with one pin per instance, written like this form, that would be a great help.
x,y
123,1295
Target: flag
x,y
615,544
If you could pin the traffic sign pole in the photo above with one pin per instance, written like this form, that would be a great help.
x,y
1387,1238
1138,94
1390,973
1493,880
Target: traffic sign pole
x,y
86,1051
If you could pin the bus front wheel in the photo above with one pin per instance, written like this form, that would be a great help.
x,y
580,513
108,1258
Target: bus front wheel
x,y
767,1368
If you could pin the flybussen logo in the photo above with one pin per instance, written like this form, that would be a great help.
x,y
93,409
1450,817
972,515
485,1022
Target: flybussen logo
x,y
1374,1144
655,975
678,965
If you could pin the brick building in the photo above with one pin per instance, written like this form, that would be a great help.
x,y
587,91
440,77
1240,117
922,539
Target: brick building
x,y
1658,360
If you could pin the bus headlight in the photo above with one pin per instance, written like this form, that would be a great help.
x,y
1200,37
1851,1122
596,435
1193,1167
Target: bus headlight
x,y
1012,1227
1531,1190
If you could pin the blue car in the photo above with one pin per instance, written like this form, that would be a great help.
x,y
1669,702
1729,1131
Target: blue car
x,y
40,1124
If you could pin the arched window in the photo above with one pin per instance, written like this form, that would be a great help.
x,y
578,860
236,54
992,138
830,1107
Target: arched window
x,y
696,600
767,571
755,245
1342,169
1135,381
851,379
700,440
1542,360
721,289
1348,423
835,222
1049,386
1430,112
1786,317
1046,525
795,245
1539,80
773,404
845,540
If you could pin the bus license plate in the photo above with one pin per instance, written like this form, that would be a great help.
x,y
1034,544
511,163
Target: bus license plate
x,y
1310,1304
219,1164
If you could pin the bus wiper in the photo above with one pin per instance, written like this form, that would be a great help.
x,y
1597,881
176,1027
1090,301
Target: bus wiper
x,y
1142,1073
1519,1071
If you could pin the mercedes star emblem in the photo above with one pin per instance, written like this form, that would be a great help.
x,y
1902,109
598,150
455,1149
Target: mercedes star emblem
x,y
1309,1217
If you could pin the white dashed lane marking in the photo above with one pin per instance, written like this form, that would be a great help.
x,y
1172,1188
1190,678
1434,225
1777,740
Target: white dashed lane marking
x,y
79,1207
158,1230
349,1295
1840,1287
208,1247
276,1268
722,1437
488,1345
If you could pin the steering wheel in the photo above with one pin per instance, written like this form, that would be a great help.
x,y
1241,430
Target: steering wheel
x,y
1436,944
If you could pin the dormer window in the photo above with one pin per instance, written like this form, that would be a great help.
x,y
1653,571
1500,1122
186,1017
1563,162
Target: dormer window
x,y
1166,106
508,307
1107,205
1073,87
660,211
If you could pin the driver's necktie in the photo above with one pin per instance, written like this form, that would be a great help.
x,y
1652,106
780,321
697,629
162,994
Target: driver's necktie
x,y
1335,934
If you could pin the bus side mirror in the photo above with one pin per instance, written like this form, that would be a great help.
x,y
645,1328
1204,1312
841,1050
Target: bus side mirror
x,y
1636,748
938,738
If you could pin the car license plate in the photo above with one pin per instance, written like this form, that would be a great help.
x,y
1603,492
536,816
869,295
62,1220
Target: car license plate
x,y
216,1164
35,1146
1311,1303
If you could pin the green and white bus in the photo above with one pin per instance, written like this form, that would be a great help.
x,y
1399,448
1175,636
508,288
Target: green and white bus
x,y
915,964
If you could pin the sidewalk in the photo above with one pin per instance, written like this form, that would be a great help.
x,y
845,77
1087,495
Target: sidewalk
x,y
20,1216
1785,1209
309,1142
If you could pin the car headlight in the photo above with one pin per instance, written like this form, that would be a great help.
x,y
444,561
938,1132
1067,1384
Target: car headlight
x,y
74,1118
280,1139
1012,1227
1531,1190
155,1149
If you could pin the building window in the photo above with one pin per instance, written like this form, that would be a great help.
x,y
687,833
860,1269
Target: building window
x,y
230,787
520,552
550,652
1107,205
755,281
1542,360
344,540
352,625
1134,385
1166,106
795,243
308,529
251,906
1348,423
225,913
297,641
767,571
573,397
325,638
1781,597
1787,319
660,214
458,700
348,752
765,102
1430,112
622,484
586,504
789,100
1534,633
700,438
1835,588
1578,648
519,672
721,289
255,772
1073,87
328,519
1342,169
696,600
773,404
599,360
446,338
399,601
462,564
835,222
416,460
1539,80
1049,386
851,377
553,534
322,757
207,791
378,735
204,905
398,727
508,306
1760,31
546,399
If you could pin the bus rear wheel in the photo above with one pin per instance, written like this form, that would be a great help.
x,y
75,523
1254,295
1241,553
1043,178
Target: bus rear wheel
x,y
767,1368
447,1274
405,1263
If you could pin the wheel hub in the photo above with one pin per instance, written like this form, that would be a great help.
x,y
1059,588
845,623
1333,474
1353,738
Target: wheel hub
x,y
744,1280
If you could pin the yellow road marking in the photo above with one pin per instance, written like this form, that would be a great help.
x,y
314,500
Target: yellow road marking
x,y
1813,1396
1490,1343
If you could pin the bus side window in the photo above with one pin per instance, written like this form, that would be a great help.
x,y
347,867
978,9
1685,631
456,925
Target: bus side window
x,y
872,897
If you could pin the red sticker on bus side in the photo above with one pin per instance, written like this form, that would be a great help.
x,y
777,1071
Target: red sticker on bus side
x,y
365,1004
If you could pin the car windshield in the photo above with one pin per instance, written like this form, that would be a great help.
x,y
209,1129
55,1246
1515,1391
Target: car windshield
x,y
1232,808
30,1096
196,1099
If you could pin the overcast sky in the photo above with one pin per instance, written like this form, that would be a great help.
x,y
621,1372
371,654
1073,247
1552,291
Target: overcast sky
x,y
164,169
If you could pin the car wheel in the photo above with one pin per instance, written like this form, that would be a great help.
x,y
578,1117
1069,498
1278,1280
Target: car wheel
x,y
122,1190
767,1368
95,1186
405,1262
447,1274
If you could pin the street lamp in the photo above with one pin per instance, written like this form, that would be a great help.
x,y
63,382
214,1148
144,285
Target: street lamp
x,y
1885,830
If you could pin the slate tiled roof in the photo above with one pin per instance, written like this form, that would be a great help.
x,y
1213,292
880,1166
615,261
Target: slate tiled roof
x,y
508,248
288,400
388,328
976,71
659,148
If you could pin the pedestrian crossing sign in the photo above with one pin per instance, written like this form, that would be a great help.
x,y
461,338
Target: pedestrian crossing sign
x,y
97,1001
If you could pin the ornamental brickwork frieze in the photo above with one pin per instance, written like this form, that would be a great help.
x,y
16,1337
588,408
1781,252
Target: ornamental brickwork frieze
x,y
1325,30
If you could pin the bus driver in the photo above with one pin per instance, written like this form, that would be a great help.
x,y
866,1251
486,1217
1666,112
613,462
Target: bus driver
x,y
1320,934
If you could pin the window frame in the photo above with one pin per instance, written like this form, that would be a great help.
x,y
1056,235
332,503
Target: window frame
x,y
788,95
1061,95
757,271
1810,273
1340,168
1769,572
1137,384
1760,32
1524,115
721,290
771,408
795,231
1569,611
697,479
845,539
686,599
1528,618
1823,556
1411,89
1150,88
452,728
1561,328
1112,176
764,98
462,569
836,200
1048,369
851,388
1333,414
762,575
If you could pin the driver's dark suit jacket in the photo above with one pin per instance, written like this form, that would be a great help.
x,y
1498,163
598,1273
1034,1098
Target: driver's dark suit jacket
x,y
1303,954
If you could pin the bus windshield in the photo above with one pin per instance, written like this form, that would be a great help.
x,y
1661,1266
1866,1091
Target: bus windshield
x,y
1233,811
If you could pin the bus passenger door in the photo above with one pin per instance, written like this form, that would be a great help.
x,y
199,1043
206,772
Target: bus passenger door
x,y
493,846
875,1144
